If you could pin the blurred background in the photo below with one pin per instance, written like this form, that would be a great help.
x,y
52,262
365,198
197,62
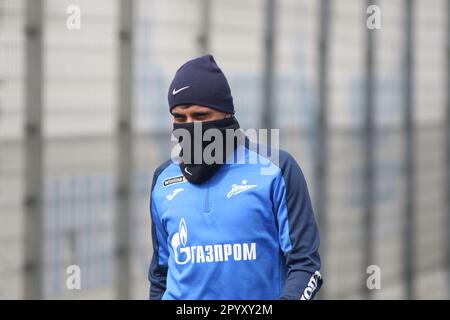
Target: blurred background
x,y
84,122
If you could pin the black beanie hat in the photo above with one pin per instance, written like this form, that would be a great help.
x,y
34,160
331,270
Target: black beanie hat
x,y
200,81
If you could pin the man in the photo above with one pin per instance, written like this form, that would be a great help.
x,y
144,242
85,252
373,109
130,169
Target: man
x,y
227,229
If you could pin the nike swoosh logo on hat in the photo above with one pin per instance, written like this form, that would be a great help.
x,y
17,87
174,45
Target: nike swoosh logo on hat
x,y
174,92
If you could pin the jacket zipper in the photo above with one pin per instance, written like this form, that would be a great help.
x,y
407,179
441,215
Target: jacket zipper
x,y
207,201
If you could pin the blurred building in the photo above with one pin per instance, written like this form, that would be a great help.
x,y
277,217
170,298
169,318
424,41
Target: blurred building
x,y
81,83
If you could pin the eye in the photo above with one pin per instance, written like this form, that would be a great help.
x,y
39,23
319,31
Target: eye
x,y
200,115
179,117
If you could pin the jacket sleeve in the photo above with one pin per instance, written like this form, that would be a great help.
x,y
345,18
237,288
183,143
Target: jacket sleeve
x,y
158,267
298,232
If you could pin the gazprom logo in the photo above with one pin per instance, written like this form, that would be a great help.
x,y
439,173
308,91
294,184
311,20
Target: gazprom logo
x,y
209,253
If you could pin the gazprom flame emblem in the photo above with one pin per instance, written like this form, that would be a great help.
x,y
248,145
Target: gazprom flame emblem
x,y
183,232
180,238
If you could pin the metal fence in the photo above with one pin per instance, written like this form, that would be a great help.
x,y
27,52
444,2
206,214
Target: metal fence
x,y
84,122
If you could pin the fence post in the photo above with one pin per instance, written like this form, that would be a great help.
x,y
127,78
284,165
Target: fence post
x,y
205,22
369,146
322,128
268,73
447,147
33,183
409,214
125,150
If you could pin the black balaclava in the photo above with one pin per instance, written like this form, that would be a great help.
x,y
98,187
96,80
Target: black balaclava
x,y
203,170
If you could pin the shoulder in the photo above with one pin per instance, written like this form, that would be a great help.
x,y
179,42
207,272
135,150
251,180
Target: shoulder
x,y
288,164
278,157
164,170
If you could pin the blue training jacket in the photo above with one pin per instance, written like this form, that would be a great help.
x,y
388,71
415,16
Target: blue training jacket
x,y
249,232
